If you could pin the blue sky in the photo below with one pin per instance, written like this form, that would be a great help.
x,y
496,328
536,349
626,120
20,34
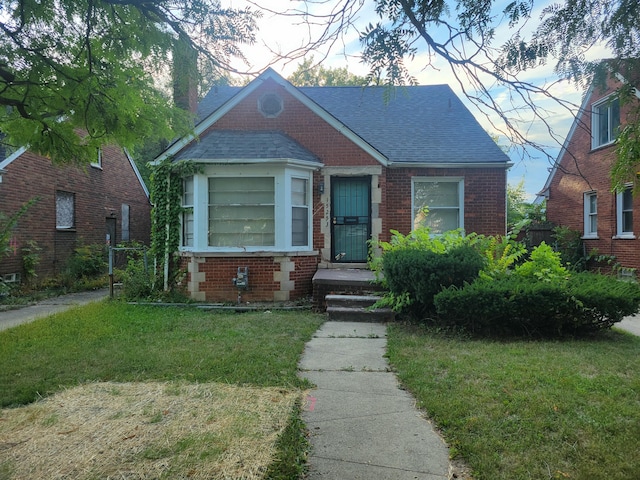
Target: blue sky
x,y
278,34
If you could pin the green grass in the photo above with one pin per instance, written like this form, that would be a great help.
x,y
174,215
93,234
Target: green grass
x,y
111,341
528,409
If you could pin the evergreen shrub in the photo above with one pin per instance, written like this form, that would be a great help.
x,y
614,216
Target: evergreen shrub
x,y
519,306
414,276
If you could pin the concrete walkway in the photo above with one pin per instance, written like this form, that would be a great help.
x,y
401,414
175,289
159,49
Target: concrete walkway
x,y
630,324
363,426
11,318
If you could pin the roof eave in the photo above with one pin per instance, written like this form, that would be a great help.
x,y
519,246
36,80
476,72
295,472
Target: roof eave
x,y
258,161
501,165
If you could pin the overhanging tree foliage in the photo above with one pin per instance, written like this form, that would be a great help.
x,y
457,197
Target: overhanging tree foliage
x,y
490,47
95,66
311,74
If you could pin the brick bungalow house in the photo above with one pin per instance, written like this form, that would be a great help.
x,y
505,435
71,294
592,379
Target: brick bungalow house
x,y
299,179
104,202
578,190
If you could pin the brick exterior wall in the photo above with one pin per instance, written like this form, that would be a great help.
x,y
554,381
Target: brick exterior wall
x,y
270,278
99,194
210,276
581,170
484,198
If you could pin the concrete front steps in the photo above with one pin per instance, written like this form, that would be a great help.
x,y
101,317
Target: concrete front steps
x,y
356,308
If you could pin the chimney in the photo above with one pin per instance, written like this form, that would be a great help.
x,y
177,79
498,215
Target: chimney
x,y
185,74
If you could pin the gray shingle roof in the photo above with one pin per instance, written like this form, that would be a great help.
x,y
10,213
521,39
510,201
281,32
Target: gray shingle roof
x,y
224,145
418,124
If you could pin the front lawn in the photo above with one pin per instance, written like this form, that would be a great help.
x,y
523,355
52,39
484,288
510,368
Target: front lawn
x,y
528,409
156,366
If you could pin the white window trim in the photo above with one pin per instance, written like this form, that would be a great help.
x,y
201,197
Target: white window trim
x,y
307,206
587,215
283,206
186,212
595,121
98,164
619,203
459,180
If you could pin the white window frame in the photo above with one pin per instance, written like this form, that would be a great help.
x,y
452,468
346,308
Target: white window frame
x,y
620,211
283,175
63,199
415,209
98,162
590,214
187,220
302,206
596,109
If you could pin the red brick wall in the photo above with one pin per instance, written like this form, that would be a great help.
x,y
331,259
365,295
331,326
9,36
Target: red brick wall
x,y
220,272
300,123
582,170
98,192
484,198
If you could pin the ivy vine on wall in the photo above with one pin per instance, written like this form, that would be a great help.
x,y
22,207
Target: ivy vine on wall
x,y
166,196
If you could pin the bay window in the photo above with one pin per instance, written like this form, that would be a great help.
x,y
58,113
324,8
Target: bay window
x,y
248,208
242,212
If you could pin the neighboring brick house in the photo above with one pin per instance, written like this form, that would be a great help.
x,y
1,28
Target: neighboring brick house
x,y
296,179
578,190
106,201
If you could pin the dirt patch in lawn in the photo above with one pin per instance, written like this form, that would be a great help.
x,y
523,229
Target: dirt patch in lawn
x,y
144,431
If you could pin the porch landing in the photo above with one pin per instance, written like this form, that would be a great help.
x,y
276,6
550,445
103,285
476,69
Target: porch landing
x,y
346,281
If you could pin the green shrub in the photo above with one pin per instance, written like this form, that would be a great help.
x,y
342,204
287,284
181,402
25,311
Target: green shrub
x,y
414,276
501,254
519,306
137,280
544,265
605,299
88,261
30,260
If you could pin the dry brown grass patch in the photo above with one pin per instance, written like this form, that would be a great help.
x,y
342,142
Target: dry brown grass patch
x,y
145,431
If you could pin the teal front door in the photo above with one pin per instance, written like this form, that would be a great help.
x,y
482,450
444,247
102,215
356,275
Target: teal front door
x,y
350,219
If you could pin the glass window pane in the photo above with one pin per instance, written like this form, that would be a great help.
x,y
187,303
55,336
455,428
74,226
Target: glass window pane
x,y
187,197
436,194
65,210
298,191
615,118
627,222
241,212
441,221
627,199
300,227
187,229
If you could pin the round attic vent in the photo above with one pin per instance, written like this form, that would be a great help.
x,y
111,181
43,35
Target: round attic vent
x,y
270,105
